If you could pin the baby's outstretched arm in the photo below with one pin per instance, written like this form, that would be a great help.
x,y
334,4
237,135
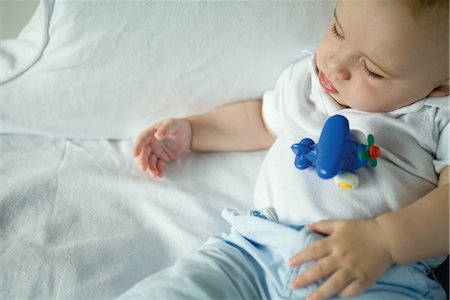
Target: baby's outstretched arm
x,y
235,127
355,254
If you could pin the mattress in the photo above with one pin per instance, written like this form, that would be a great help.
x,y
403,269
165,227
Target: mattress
x,y
79,220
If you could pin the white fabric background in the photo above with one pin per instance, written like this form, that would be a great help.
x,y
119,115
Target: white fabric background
x,y
111,68
78,220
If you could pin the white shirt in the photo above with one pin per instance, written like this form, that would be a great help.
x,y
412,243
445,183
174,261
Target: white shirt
x,y
413,140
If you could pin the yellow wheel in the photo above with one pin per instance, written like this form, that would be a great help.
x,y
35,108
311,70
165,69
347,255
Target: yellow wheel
x,y
346,181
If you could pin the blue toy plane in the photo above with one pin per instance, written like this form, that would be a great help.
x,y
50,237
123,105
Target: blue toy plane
x,y
339,152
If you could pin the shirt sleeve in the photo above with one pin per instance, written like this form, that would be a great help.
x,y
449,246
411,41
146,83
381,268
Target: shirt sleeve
x,y
275,102
442,150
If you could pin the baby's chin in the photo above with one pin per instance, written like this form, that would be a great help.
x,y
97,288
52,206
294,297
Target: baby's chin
x,y
338,100
361,106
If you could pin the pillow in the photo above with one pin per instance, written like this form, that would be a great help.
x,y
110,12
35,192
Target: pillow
x,y
112,68
16,56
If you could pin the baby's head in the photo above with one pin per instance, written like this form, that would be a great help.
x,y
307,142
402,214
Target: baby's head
x,y
380,55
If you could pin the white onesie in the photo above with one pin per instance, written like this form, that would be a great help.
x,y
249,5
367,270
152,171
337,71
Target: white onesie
x,y
413,140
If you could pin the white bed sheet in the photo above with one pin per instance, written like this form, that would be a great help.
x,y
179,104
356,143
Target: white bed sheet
x,y
79,220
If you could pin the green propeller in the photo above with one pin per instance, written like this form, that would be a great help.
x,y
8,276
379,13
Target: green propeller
x,y
371,152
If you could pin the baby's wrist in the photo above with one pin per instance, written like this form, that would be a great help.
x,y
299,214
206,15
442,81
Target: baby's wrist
x,y
385,238
191,131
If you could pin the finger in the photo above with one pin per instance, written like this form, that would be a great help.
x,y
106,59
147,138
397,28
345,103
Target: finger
x,y
143,139
137,147
332,286
355,288
161,166
139,143
143,158
320,270
151,173
323,227
152,164
317,250
167,127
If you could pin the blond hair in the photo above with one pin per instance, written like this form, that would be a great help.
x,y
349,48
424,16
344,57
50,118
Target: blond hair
x,y
418,7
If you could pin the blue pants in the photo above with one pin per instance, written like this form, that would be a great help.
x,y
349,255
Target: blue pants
x,y
251,263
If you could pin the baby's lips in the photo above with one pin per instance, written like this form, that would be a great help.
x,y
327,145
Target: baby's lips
x,y
326,84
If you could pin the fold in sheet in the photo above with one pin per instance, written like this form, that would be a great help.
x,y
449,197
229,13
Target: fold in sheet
x,y
79,220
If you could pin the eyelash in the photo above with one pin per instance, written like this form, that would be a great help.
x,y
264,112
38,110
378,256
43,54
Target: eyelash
x,y
335,33
370,74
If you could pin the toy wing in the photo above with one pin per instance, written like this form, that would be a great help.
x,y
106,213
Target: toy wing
x,y
331,149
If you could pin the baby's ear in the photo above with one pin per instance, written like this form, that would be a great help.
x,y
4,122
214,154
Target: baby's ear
x,y
441,91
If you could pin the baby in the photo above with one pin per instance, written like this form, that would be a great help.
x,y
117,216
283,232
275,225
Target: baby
x,y
384,66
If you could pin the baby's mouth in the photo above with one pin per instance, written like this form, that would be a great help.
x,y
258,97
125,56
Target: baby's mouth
x,y
326,84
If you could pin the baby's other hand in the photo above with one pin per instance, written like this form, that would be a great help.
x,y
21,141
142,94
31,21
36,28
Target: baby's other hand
x,y
162,143
353,255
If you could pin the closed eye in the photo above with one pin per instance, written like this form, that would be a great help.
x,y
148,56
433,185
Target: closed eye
x,y
369,73
335,33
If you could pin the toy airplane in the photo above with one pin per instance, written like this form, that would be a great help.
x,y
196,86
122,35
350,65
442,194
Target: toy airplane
x,y
339,152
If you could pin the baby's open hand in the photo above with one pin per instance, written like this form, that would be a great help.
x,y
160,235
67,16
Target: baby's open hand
x,y
353,256
162,143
